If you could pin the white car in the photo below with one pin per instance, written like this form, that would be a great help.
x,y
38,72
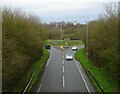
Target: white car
x,y
69,57
74,48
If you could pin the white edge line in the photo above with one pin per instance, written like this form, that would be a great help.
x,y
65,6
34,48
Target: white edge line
x,y
82,77
45,73
63,82
41,83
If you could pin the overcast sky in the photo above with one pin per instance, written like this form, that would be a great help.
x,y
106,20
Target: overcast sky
x,y
60,10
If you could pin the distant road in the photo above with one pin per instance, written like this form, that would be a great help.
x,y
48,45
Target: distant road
x,y
61,75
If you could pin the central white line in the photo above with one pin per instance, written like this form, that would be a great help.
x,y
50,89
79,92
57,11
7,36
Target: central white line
x,y
82,77
63,69
63,62
63,56
63,82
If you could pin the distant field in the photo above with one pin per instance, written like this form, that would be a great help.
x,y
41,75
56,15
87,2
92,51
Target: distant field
x,y
64,42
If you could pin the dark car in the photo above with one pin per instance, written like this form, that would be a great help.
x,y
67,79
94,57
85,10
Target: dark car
x,y
47,46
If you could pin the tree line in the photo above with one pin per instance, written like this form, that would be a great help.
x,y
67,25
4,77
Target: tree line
x,y
68,29
103,42
23,39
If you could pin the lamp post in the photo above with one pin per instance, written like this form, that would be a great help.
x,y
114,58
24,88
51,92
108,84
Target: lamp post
x,y
61,33
75,23
86,41
77,26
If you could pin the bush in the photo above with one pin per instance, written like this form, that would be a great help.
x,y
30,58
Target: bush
x,y
23,40
103,42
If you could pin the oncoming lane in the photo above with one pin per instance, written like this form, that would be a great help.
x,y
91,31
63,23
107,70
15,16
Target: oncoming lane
x,y
53,79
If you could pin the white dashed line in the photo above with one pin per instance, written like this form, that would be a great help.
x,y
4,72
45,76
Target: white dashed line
x,y
63,62
82,77
63,82
63,57
63,69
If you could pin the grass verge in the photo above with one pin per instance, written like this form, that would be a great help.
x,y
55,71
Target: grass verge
x,y
36,68
64,42
104,80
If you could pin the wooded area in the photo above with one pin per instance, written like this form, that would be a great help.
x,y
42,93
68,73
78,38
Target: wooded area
x,y
103,42
23,40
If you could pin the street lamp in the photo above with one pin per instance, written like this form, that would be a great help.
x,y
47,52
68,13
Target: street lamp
x,y
86,41
61,33
75,23
77,26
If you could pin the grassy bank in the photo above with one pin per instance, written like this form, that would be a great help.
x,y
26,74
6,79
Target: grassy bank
x,y
104,80
36,68
64,42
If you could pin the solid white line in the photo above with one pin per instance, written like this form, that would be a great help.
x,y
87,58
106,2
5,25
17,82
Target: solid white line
x,y
40,85
63,69
82,77
63,82
47,64
50,56
39,88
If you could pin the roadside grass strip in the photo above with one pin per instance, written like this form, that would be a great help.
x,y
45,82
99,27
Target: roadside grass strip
x,y
64,42
104,80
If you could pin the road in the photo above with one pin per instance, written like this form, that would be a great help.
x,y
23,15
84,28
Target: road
x,y
61,75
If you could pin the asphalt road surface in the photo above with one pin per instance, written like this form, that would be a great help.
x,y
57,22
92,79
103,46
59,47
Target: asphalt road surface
x,y
61,75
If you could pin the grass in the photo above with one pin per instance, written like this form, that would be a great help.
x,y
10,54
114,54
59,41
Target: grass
x,y
64,42
104,80
36,68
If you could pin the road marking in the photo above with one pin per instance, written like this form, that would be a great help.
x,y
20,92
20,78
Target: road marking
x,y
63,69
82,77
63,62
40,85
63,82
41,82
47,64
63,55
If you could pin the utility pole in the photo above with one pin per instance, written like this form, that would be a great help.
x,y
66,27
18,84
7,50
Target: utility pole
x,y
61,35
86,41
